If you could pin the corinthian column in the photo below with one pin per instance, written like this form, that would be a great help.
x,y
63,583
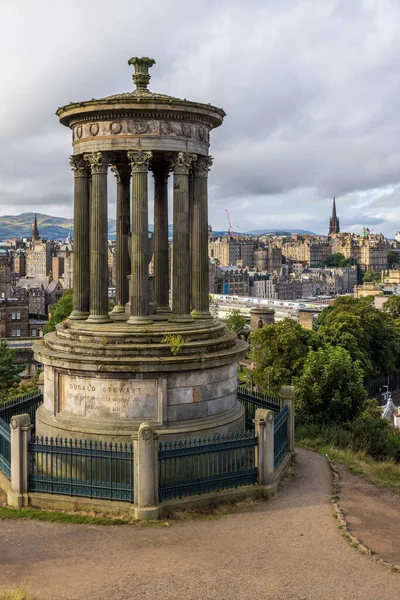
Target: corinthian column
x,y
161,261
98,240
139,293
81,296
181,238
199,241
123,176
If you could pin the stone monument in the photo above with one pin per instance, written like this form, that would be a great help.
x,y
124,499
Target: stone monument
x,y
172,366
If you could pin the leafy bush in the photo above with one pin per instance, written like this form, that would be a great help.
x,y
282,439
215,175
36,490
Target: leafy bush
x,y
369,433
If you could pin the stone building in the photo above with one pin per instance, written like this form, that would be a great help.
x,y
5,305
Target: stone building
x,y
14,320
334,226
111,264
232,251
40,293
5,274
367,249
38,255
307,250
229,281
268,258
62,264
18,262
262,285
288,288
368,289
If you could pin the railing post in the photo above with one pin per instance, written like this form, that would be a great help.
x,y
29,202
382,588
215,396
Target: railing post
x,y
287,396
20,437
264,426
146,473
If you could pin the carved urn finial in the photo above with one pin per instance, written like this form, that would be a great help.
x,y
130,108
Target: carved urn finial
x,y
141,77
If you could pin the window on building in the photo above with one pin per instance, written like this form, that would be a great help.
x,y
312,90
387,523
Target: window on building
x,y
33,332
16,333
13,316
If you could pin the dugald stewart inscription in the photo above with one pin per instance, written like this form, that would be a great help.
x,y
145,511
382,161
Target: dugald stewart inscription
x,y
95,397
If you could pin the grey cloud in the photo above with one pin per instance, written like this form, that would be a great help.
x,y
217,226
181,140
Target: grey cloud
x,y
310,90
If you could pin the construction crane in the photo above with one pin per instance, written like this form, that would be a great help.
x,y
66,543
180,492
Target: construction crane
x,y
230,230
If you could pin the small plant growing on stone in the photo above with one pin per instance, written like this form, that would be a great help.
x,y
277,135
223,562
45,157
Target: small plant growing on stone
x,y
176,341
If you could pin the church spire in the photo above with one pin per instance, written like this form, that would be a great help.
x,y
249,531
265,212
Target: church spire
x,y
35,230
334,221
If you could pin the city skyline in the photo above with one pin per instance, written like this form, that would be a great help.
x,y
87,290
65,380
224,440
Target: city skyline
x,y
291,139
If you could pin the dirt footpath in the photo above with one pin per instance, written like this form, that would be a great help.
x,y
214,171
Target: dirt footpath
x,y
372,515
286,548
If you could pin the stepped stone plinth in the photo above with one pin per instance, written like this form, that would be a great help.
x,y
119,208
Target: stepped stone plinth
x,y
107,372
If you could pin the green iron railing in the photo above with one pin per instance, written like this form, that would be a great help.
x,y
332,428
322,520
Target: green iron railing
x,y
81,468
253,400
5,448
281,435
197,466
26,403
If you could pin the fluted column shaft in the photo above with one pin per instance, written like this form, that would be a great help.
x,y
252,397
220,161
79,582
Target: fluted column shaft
x,y
81,296
161,249
181,238
139,289
122,261
98,240
199,239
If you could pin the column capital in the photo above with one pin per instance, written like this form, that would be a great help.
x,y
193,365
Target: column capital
x,y
122,173
78,165
139,160
161,171
97,162
202,166
182,162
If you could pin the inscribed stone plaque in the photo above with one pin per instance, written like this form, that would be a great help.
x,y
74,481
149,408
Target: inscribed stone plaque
x,y
109,398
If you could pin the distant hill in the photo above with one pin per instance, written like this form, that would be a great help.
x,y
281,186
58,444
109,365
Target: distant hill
x,y
58,228
20,226
258,232
50,228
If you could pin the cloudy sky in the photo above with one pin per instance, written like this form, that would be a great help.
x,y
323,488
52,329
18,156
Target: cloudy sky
x,y
311,89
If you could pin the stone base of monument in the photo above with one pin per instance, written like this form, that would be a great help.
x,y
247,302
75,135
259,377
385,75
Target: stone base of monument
x,y
102,384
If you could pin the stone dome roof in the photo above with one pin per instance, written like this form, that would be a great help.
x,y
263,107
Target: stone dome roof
x,y
139,99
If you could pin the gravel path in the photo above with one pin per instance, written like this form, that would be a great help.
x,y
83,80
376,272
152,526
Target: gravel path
x,y
287,548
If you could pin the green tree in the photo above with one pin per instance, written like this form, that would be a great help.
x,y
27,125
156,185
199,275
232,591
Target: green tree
x,y
235,321
330,388
372,277
9,369
392,306
393,259
279,352
61,311
338,260
369,334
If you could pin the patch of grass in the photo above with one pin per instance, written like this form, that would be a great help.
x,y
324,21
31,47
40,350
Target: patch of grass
x,y
244,374
16,594
72,517
383,474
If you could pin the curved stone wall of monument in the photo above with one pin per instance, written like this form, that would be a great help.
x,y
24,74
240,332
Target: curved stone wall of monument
x,y
156,357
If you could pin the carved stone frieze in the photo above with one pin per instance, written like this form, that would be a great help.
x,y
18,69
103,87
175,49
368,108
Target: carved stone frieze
x,y
94,129
140,127
115,127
